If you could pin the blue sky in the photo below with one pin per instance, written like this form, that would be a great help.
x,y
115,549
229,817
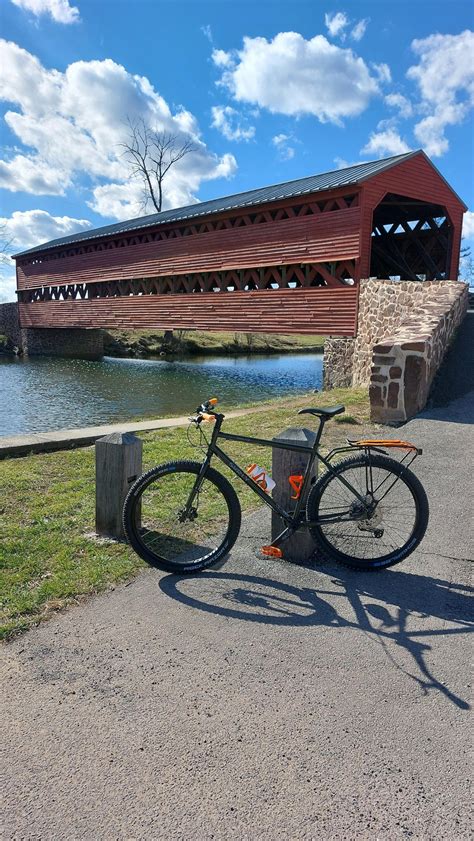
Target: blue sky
x,y
268,91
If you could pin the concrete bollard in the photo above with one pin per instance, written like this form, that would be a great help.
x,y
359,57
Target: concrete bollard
x,y
118,462
300,546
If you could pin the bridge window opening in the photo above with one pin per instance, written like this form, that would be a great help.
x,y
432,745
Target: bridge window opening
x,y
411,240
266,278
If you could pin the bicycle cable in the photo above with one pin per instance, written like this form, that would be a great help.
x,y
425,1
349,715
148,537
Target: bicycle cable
x,y
203,443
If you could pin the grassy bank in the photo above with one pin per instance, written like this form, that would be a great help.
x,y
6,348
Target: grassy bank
x,y
144,343
7,348
48,557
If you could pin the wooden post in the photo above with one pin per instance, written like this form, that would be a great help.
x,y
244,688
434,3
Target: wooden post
x,y
285,463
118,462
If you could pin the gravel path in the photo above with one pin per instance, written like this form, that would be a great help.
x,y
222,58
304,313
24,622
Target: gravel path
x,y
262,700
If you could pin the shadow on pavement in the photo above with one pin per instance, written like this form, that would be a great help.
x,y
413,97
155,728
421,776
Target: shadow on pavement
x,y
455,379
398,597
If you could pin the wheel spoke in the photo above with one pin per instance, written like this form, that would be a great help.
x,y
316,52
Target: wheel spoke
x,y
371,535
166,528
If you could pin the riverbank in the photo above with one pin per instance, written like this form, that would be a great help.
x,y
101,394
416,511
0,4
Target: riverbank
x,y
7,348
150,343
110,391
49,557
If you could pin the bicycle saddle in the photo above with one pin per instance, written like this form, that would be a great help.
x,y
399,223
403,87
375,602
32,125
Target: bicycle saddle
x,y
324,413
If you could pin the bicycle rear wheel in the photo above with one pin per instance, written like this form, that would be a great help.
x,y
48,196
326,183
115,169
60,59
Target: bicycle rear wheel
x,y
380,535
171,533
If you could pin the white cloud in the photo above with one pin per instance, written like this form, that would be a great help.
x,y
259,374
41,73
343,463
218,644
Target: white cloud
x,y
119,201
230,123
72,125
468,225
358,31
336,23
7,284
125,200
58,10
382,72
293,76
221,58
25,229
445,79
282,144
31,174
397,100
207,32
385,143
341,163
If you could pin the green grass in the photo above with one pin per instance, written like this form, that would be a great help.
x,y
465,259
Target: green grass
x,y
349,419
48,557
193,342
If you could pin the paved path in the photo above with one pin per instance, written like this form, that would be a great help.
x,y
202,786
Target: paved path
x,y
261,700
63,439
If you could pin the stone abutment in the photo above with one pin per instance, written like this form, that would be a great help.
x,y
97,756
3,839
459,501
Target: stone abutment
x,y
75,343
404,331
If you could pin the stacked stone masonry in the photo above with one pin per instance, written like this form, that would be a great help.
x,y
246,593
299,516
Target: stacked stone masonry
x,y
77,343
10,325
74,342
404,330
338,362
383,307
404,363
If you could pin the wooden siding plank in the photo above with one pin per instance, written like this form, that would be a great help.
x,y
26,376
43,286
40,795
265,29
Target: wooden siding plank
x,y
416,179
308,311
324,238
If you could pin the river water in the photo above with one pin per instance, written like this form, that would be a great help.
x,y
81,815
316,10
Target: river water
x,y
45,393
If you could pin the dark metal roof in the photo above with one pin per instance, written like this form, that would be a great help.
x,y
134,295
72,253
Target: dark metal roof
x,y
351,175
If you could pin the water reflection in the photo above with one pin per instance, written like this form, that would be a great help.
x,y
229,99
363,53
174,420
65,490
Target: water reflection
x,y
45,393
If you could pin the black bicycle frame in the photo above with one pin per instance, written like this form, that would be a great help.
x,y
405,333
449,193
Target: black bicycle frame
x,y
293,519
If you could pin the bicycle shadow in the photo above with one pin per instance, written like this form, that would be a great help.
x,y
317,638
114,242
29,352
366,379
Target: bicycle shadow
x,y
398,596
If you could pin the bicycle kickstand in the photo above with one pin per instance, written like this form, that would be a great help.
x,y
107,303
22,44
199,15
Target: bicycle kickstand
x,y
273,550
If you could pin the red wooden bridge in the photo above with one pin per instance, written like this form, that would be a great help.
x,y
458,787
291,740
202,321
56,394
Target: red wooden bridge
x,y
283,259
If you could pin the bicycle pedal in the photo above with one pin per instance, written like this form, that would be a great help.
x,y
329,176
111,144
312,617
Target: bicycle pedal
x,y
271,552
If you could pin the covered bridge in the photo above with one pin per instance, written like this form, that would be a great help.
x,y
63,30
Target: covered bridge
x,y
286,258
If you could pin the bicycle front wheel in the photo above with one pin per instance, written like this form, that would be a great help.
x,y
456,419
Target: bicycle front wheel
x,y
379,533
178,526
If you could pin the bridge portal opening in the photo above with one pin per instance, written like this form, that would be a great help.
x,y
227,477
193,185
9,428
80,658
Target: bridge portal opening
x,y
411,240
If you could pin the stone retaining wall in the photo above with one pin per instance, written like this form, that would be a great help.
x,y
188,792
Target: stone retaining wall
x,y
404,331
405,362
338,362
10,325
75,343
383,307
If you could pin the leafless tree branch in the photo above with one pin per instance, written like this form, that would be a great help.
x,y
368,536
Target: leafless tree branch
x,y
6,245
150,156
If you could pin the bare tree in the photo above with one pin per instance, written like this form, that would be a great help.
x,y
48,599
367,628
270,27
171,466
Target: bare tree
x,y
151,154
5,245
466,264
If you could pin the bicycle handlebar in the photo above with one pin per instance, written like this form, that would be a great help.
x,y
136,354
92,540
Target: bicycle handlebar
x,y
208,405
205,412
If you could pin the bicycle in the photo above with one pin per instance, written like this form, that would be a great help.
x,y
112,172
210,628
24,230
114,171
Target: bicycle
x,y
185,516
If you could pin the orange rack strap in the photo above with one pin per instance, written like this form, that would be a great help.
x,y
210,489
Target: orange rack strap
x,y
402,445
